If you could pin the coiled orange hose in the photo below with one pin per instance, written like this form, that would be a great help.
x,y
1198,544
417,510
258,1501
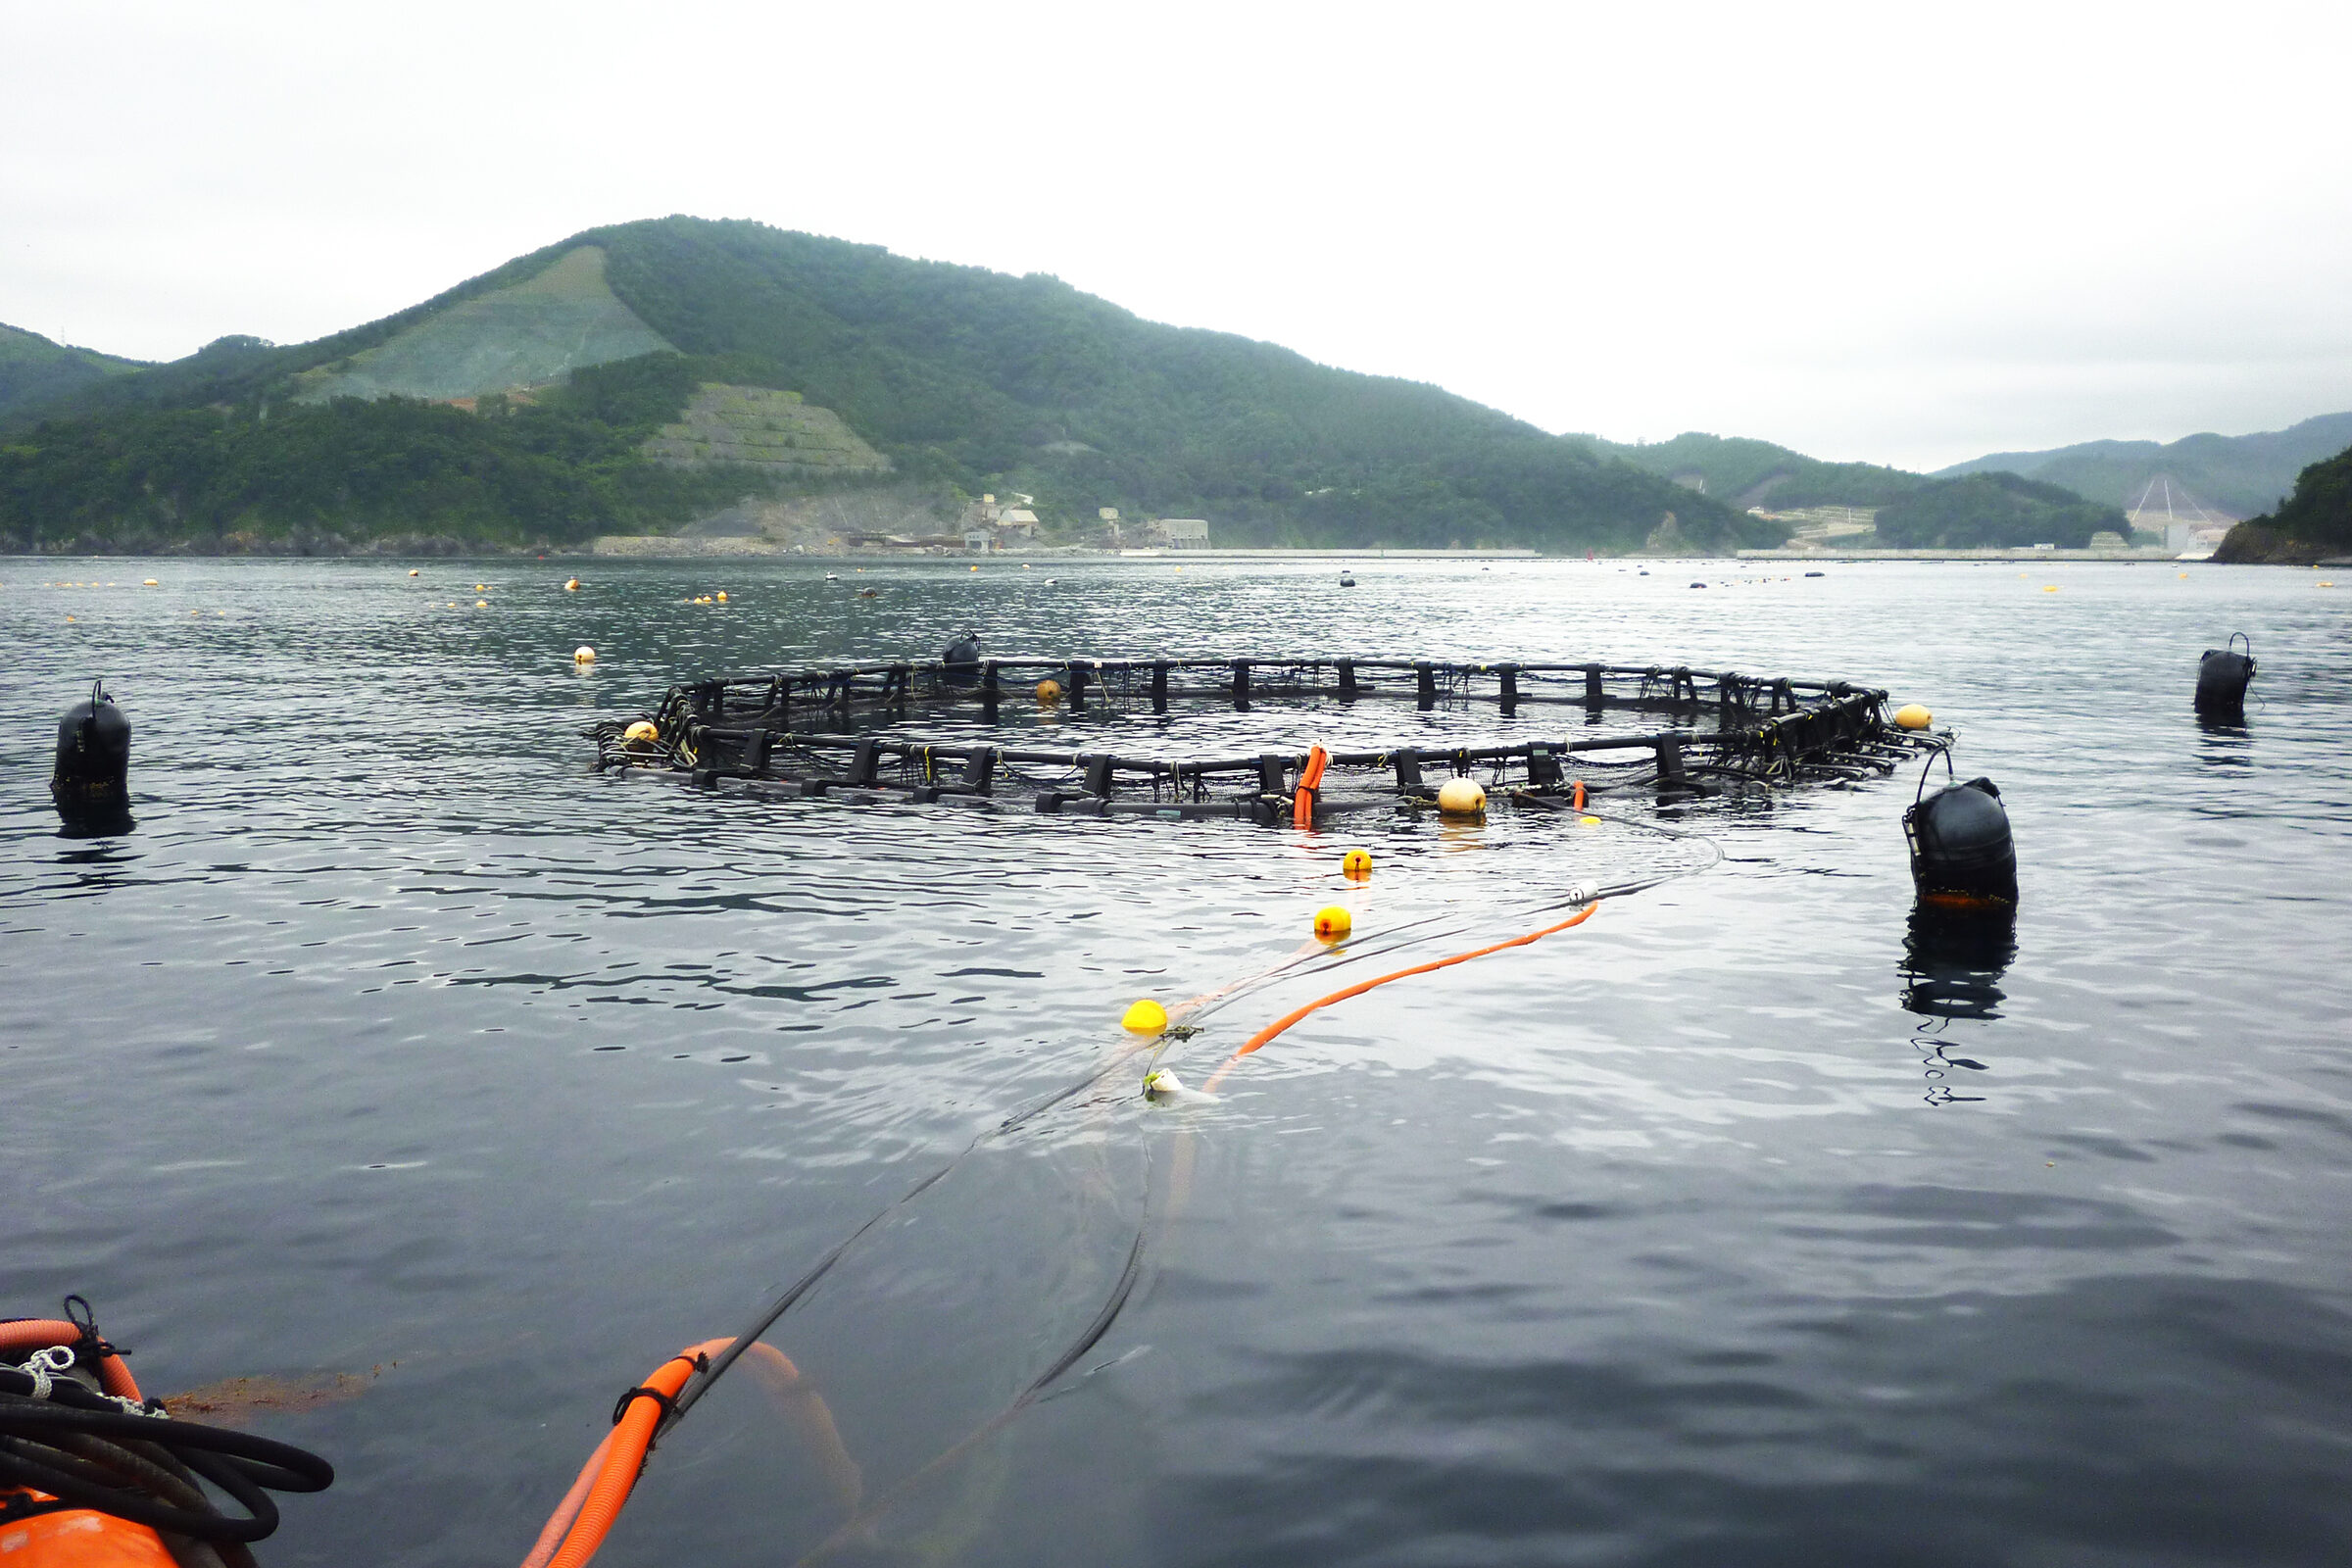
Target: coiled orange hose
x,y
40,1333
1286,1020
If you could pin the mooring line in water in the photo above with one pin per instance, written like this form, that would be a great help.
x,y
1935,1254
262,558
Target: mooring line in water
x,y
589,1511
1286,1020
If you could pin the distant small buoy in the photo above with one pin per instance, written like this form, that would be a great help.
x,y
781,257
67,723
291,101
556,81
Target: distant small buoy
x,y
1961,850
411,572
2050,588
975,568
835,576
1048,691
720,595
1460,797
1356,863
2184,574
1347,579
1913,715
2324,585
1145,1017
482,587
642,733
151,583
1161,1084
1699,585
571,585
1050,582
481,604
583,654
1024,565
1331,922
1587,821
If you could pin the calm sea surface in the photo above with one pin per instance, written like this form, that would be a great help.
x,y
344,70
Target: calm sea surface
x,y
1725,1229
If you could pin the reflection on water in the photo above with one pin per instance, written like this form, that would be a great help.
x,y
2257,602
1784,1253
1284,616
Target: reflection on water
x,y
1953,961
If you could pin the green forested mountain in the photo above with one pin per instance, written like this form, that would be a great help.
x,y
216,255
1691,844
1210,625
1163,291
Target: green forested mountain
x,y
2240,474
959,375
2314,521
1741,472
34,370
1982,511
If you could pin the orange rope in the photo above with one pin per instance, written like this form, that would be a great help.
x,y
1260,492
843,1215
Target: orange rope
x,y
1284,1022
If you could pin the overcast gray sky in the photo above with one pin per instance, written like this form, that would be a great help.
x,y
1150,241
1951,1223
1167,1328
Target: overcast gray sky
x,y
1911,233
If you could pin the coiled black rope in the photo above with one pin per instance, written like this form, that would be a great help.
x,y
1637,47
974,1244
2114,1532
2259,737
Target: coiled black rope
x,y
87,1450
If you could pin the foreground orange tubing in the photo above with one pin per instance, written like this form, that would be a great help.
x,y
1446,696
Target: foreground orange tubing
x,y
1286,1020
40,1333
1310,777
586,1515
615,1465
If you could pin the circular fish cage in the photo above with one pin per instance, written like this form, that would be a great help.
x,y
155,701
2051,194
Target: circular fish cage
x,y
1277,741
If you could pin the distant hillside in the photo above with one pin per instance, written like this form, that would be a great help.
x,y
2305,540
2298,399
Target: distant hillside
x,y
953,374
1994,511
34,370
2239,475
1743,472
2313,522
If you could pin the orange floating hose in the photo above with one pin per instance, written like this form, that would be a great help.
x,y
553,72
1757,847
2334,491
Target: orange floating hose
x,y
1286,1020
615,1466
1310,778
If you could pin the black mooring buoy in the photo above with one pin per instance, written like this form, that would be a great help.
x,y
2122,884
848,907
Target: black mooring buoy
x,y
91,785
962,659
1960,846
2223,675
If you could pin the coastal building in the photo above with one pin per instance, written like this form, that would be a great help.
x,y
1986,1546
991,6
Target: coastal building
x,y
1180,533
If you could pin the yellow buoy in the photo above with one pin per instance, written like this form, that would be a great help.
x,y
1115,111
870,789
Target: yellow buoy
x,y
1331,923
975,568
571,585
482,587
411,572
2184,574
1356,863
641,733
151,583
1460,797
1145,1017
481,604
1048,691
2050,588
722,596
583,654
1912,716
1587,821
2328,585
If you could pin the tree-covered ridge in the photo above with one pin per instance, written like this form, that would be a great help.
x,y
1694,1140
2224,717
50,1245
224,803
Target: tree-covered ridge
x,y
339,476
2314,520
34,370
1994,511
984,380
1743,472
957,375
2241,474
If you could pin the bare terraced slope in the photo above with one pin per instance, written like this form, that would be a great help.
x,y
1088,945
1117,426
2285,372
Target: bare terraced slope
x,y
527,335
